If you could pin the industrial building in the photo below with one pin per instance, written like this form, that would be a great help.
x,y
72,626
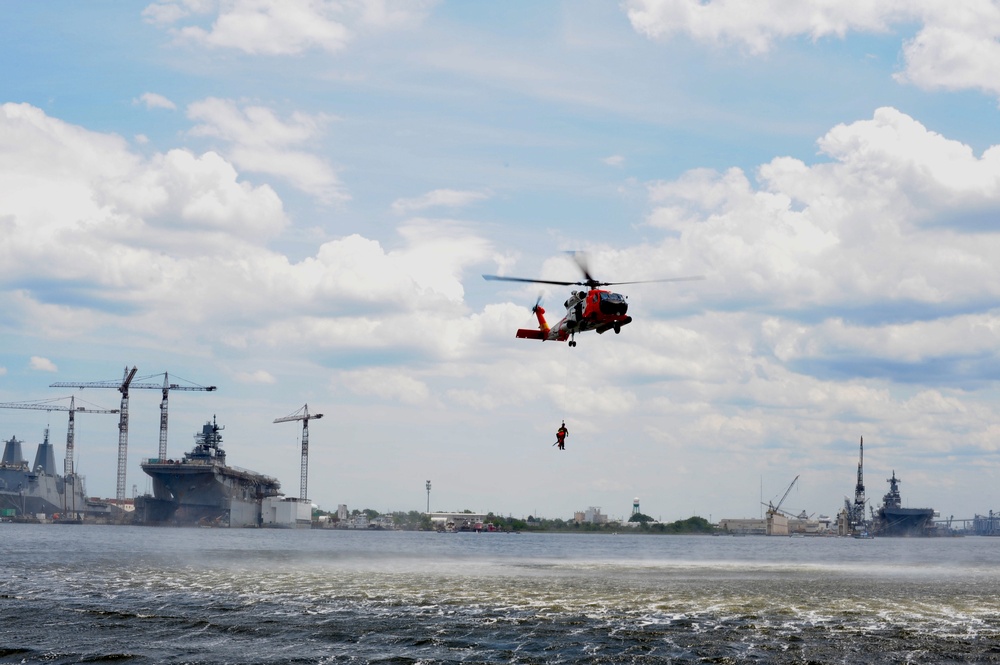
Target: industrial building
x,y
592,515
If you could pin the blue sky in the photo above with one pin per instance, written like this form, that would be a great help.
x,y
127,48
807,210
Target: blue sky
x,y
295,201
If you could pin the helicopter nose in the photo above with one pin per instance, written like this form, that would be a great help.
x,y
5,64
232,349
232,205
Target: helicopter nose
x,y
614,306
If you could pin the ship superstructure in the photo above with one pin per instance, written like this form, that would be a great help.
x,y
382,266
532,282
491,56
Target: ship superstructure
x,y
892,519
38,490
201,489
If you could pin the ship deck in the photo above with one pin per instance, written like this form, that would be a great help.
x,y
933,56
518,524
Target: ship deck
x,y
154,467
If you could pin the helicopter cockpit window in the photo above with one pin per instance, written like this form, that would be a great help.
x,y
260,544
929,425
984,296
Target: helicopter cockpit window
x,y
613,303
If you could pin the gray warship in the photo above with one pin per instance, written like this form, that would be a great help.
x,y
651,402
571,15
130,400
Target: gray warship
x,y
892,519
38,491
200,489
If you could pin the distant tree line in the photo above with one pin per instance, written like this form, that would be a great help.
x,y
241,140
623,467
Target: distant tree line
x,y
417,521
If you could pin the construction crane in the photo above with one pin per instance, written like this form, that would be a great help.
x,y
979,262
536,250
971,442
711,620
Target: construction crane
x,y
48,405
166,388
303,415
856,512
772,509
123,387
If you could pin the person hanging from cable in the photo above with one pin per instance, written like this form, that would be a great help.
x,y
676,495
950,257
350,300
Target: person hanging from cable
x,y
561,435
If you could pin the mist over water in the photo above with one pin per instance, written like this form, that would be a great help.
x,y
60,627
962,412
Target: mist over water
x,y
72,594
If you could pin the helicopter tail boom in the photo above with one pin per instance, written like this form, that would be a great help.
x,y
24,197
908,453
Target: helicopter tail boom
x,y
543,327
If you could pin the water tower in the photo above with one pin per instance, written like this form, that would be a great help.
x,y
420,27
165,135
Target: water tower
x,y
635,507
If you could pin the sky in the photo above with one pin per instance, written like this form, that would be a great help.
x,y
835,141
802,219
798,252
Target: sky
x,y
295,201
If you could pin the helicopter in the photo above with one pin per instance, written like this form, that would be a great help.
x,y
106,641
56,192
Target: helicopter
x,y
591,309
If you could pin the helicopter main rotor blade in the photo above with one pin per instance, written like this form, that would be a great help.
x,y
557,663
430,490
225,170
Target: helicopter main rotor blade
x,y
692,278
498,278
581,262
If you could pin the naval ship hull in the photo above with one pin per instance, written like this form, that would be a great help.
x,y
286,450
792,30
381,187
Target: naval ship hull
x,y
905,522
37,490
42,495
200,489
204,494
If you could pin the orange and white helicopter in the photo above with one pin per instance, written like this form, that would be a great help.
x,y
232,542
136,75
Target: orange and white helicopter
x,y
594,309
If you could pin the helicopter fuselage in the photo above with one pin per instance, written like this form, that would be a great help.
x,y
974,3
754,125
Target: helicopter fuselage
x,y
595,309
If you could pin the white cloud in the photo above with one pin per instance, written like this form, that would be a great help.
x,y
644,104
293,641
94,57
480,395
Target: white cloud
x,y
108,194
155,101
284,27
166,13
756,25
957,49
429,266
956,46
40,364
911,342
259,376
866,227
261,142
98,236
831,288
385,383
272,27
83,211
178,237
614,160
439,198
186,191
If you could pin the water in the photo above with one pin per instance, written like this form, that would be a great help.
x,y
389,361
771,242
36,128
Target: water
x,y
93,594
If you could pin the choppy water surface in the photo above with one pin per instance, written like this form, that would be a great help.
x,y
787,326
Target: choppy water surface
x,y
95,594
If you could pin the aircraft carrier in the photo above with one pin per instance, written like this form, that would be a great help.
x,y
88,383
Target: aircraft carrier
x,y
201,489
892,519
30,492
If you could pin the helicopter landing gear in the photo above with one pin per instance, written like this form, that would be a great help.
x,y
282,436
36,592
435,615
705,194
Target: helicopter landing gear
x,y
572,343
618,328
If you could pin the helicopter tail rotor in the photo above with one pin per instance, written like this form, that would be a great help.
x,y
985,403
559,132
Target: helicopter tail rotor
x,y
543,327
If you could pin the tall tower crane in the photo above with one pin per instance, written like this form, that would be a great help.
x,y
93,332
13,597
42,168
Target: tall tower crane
x,y
856,511
859,488
303,415
167,387
123,387
48,405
